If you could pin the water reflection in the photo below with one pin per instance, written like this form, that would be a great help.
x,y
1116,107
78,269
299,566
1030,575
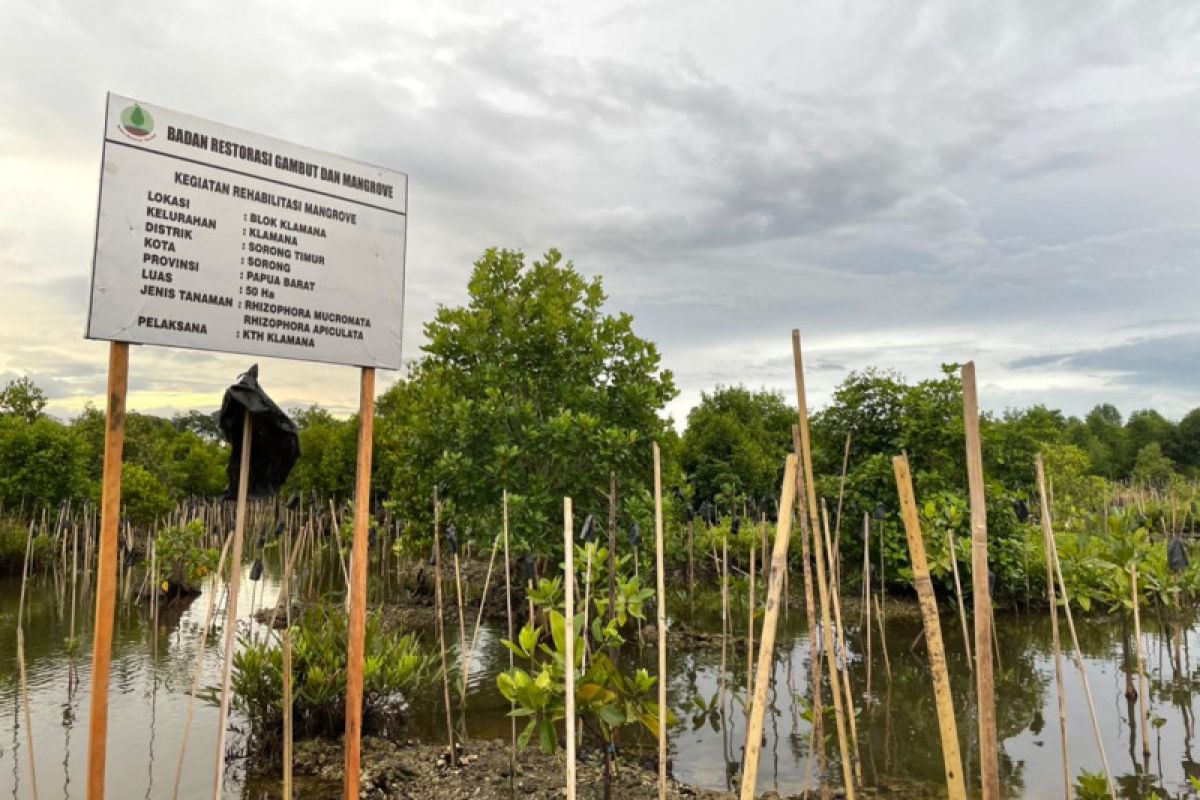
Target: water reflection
x,y
898,735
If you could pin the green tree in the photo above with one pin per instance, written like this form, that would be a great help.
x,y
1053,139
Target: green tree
x,y
328,447
736,443
22,398
1187,446
530,386
1152,467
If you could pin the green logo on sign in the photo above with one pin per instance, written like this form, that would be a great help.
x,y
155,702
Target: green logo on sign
x,y
137,122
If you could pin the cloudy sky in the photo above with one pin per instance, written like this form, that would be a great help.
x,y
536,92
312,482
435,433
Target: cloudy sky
x,y
909,183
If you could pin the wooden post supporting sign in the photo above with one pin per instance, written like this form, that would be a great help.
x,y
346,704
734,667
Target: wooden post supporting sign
x,y
106,565
358,584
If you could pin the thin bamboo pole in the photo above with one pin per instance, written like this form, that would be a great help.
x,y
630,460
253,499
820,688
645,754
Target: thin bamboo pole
x,y
569,640
285,590
1143,688
1087,689
951,756
989,763
766,653
512,757
106,566
1052,600
21,667
479,619
441,626
814,653
819,559
952,546
661,609
841,645
231,606
750,603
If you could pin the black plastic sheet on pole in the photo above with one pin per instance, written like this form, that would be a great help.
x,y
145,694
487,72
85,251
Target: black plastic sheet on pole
x,y
274,438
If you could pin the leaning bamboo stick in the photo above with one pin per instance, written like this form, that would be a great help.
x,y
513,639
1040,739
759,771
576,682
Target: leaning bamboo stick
x,y
441,626
766,653
1047,544
512,756
21,666
951,756
750,603
1087,689
1143,689
661,609
479,618
841,645
958,595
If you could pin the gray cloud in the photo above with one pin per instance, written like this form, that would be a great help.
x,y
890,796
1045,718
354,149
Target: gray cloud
x,y
908,184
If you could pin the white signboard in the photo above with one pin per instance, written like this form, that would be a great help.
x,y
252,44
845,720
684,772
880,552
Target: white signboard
x,y
214,238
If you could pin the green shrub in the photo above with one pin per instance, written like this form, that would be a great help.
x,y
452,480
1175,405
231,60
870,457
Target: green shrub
x,y
395,665
182,558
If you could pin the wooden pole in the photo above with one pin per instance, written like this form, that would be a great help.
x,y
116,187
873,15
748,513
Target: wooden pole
x,y
1048,546
835,593
231,604
287,667
661,609
569,640
1087,689
958,594
750,602
1143,688
951,756
985,688
814,526
106,565
766,653
512,758
21,667
441,625
356,647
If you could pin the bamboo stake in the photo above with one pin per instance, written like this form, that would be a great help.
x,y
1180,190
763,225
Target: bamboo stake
x,y
989,764
235,576
866,582
106,566
200,653
661,609
958,594
766,653
750,602
1143,688
479,619
841,645
1087,689
955,787
814,655
441,627
589,548
569,640
285,590
1047,545
819,562
21,666
512,758
724,621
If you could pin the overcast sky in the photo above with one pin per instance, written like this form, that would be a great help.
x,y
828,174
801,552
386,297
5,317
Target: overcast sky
x,y
909,183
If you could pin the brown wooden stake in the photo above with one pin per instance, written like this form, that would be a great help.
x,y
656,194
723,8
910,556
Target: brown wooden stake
x,y
1087,689
231,604
660,605
106,565
866,583
1052,600
462,632
487,581
724,620
958,594
985,687
750,598
569,640
287,670
21,667
766,653
1143,688
951,756
512,758
841,645
814,654
356,649
441,625
814,527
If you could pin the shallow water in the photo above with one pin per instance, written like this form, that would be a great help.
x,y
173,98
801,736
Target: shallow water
x,y
899,743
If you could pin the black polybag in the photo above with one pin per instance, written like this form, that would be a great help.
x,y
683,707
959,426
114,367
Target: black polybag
x,y
1177,557
274,442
